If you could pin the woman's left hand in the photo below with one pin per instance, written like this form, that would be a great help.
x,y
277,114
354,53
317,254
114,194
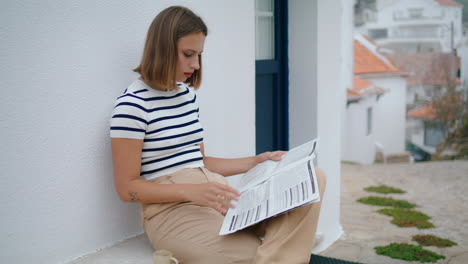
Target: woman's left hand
x,y
274,156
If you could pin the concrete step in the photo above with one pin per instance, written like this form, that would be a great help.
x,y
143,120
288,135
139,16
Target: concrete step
x,y
136,250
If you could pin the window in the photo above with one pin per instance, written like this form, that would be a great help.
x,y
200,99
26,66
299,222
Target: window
x,y
378,33
398,14
434,133
415,12
369,121
264,30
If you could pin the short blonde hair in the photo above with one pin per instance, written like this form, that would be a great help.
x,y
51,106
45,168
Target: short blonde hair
x,y
158,64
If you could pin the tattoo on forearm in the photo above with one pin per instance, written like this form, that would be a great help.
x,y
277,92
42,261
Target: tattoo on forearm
x,y
133,196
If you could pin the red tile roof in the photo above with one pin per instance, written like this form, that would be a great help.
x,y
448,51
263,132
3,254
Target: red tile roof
x,y
365,61
426,112
449,106
360,84
361,88
448,3
426,68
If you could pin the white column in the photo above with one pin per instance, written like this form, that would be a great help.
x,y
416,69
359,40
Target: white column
x,y
334,19
320,70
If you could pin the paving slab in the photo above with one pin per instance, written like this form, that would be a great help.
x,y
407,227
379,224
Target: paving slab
x,y
438,188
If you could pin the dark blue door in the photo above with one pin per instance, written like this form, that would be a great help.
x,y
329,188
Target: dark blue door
x,y
271,82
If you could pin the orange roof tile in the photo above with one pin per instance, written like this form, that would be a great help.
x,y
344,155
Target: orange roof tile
x,y
365,61
429,111
361,88
448,3
352,95
426,112
360,83
351,92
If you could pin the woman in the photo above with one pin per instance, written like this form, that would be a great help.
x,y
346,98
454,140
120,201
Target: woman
x,y
159,161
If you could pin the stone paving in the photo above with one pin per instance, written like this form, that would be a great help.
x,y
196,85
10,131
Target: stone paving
x,y
440,189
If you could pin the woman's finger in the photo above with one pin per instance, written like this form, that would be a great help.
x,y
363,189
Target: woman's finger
x,y
230,191
277,155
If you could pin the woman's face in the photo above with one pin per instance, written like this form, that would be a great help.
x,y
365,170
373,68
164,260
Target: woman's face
x,y
189,49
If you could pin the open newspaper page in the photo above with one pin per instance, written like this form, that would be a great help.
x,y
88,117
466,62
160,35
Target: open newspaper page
x,y
272,188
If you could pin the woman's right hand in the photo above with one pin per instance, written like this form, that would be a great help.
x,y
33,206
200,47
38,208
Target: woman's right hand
x,y
213,194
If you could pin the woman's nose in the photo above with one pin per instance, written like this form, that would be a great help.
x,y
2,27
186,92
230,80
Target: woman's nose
x,y
195,63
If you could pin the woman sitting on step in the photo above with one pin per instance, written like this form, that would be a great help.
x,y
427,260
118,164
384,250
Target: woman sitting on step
x,y
159,160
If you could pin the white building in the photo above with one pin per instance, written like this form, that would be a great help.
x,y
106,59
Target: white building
x,y
429,77
376,110
63,65
360,142
413,26
424,130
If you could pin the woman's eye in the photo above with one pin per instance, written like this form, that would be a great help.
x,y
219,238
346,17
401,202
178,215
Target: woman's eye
x,y
187,55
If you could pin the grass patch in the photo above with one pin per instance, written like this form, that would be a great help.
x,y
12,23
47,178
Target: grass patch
x,y
407,218
384,189
430,240
408,252
384,201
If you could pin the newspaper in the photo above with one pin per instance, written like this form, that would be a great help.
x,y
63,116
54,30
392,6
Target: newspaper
x,y
272,188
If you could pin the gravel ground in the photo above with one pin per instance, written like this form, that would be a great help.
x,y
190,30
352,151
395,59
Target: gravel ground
x,y
440,189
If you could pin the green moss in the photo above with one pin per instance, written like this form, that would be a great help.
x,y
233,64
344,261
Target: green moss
x,y
384,201
408,252
430,240
383,189
407,218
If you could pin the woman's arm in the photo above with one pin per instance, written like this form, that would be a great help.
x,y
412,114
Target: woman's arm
x,y
228,167
126,155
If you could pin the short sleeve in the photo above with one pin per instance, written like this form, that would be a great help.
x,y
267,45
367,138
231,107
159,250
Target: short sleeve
x,y
129,118
195,101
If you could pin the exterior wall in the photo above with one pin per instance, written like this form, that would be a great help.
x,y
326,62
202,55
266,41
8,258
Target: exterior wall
x,y
417,135
359,146
391,114
462,51
430,31
320,42
416,91
347,81
333,39
302,71
63,65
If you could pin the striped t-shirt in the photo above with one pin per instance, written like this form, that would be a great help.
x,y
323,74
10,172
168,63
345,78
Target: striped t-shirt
x,y
166,121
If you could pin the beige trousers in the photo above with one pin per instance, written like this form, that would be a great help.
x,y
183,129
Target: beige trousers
x,y
190,231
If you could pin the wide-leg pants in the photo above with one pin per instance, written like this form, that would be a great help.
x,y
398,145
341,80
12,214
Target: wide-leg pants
x,y
191,232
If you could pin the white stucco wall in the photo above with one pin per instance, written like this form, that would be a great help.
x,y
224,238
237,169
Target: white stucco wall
x,y
347,70
63,65
359,146
390,114
462,51
302,71
320,48
417,134
435,15
418,91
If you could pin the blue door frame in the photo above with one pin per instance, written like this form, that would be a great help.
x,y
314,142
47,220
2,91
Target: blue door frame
x,y
271,89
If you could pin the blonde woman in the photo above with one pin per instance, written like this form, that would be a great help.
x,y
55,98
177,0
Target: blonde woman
x,y
159,161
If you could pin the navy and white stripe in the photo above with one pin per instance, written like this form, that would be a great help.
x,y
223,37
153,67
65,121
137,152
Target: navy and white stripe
x,y
168,124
